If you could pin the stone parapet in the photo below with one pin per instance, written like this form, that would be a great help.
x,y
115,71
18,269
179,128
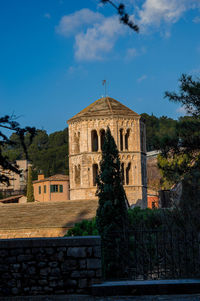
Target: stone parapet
x,y
40,266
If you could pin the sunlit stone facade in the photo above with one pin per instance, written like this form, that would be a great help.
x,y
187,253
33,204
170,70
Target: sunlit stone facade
x,y
86,136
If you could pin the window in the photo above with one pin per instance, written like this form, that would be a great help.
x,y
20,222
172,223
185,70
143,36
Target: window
x,y
56,188
121,139
127,139
94,138
39,189
45,190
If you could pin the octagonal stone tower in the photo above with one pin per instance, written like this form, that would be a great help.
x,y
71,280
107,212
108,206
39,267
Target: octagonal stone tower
x,y
86,136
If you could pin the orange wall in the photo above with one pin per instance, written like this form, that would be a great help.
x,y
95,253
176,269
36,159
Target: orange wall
x,y
152,200
51,196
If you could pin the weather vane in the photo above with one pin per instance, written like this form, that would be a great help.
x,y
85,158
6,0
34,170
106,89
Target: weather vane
x,y
104,84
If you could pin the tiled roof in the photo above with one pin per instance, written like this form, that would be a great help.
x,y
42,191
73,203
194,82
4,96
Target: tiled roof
x,y
58,177
46,214
105,106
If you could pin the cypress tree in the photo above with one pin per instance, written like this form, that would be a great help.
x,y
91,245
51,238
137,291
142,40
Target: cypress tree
x,y
112,215
29,194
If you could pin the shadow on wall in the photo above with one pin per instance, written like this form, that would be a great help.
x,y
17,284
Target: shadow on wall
x,y
139,203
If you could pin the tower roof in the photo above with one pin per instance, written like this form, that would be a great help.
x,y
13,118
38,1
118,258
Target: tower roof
x,y
105,106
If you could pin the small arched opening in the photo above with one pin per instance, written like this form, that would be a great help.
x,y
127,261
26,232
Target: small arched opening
x,y
102,137
127,139
77,143
128,175
121,139
95,173
123,182
78,175
94,138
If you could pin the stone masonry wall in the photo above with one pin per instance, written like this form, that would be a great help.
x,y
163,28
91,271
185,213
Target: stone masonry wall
x,y
40,266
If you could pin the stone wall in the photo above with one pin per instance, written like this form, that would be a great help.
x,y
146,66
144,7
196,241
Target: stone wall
x,y
42,266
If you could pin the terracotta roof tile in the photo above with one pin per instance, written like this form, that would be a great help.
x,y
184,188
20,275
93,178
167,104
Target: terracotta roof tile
x,y
105,106
46,214
57,177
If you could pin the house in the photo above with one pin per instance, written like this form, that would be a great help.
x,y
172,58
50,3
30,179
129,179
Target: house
x,y
18,182
54,188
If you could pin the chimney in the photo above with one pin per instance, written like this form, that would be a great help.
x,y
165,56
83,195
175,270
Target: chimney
x,y
40,177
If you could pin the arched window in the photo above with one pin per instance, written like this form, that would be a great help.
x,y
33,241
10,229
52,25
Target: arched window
x,y
77,143
94,138
121,139
123,182
128,169
78,174
102,136
127,139
95,173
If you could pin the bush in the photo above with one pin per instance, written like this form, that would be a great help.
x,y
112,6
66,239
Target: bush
x,y
84,228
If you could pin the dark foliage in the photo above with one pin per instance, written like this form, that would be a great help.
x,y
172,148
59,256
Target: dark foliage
x,y
123,16
8,123
181,151
48,153
84,228
112,215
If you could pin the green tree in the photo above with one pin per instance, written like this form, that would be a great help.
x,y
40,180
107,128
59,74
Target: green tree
x,y
9,124
30,194
181,152
112,215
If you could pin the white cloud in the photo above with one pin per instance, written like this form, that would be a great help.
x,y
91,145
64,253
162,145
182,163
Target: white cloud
x,y
47,16
142,78
181,111
98,40
196,19
131,53
155,12
71,24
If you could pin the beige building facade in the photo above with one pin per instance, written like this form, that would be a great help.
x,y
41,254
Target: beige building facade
x,y
17,181
86,136
52,189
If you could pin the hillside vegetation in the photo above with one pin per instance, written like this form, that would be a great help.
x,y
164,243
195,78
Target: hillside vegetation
x,y
49,153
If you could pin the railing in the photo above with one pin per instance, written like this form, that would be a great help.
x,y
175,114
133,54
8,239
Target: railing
x,y
158,254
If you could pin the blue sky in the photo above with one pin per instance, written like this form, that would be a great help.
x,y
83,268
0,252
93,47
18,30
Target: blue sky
x,y
54,55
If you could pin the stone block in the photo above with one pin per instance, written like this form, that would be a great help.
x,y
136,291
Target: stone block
x,y
77,252
43,282
93,264
82,264
89,251
97,252
24,258
75,274
15,290
10,259
55,272
53,264
49,251
4,253
48,289
42,264
68,265
15,252
82,283
70,283
59,256
45,271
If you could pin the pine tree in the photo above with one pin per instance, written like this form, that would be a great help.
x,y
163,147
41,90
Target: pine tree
x,y
30,195
112,215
